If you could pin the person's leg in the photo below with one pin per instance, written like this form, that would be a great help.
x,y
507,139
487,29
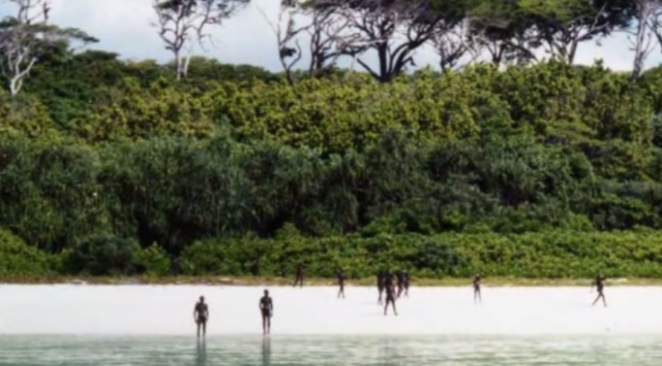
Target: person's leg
x,y
596,299
395,311
269,324
204,328
604,300
197,324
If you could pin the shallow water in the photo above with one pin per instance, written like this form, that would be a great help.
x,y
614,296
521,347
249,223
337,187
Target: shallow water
x,y
603,350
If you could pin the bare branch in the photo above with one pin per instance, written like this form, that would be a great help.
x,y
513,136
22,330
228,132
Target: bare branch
x,y
562,41
289,48
455,44
183,23
641,38
19,39
394,29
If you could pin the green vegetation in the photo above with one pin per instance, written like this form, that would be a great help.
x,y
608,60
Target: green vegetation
x,y
116,168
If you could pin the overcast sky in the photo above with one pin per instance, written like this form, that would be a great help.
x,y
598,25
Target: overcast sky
x,y
123,26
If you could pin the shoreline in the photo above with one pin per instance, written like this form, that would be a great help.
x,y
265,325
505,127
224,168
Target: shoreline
x,y
315,282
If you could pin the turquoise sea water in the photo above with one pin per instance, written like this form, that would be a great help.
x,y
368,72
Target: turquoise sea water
x,y
331,350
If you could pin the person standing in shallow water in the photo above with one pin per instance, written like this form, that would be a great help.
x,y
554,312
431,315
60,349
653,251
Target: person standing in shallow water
x,y
599,283
299,275
267,310
201,315
476,283
341,283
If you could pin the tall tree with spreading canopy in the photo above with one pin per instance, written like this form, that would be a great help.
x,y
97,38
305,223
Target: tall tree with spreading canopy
x,y
27,35
182,23
503,31
562,25
395,29
317,23
642,35
454,45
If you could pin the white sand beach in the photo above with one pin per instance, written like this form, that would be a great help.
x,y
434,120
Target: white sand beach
x,y
167,310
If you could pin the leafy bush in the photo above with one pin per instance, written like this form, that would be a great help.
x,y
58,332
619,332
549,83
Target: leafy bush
x,y
153,261
103,254
553,254
19,259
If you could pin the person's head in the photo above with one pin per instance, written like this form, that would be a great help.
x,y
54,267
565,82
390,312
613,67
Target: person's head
x,y
202,299
266,292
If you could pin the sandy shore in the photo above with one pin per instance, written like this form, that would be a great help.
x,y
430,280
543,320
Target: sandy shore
x,y
167,310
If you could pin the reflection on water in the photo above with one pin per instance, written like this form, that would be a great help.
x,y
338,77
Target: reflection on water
x,y
332,351
266,351
201,355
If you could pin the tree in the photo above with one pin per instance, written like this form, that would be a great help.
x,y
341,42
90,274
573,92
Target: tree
x,y
561,25
183,22
646,15
454,44
26,36
18,39
504,31
329,35
395,29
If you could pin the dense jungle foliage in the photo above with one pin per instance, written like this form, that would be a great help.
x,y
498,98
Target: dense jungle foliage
x,y
114,167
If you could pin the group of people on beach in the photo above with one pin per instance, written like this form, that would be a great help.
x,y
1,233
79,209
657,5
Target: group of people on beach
x,y
385,284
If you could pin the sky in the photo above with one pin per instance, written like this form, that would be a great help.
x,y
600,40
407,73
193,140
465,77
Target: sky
x,y
124,27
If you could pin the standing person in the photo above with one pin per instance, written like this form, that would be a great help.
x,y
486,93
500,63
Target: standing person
x,y
388,280
299,275
267,310
341,283
201,315
400,276
599,283
381,276
405,275
390,294
476,283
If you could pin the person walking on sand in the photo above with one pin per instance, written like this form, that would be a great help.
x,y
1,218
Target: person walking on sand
x,y
201,315
400,277
341,283
390,295
476,283
267,310
381,277
599,283
299,275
